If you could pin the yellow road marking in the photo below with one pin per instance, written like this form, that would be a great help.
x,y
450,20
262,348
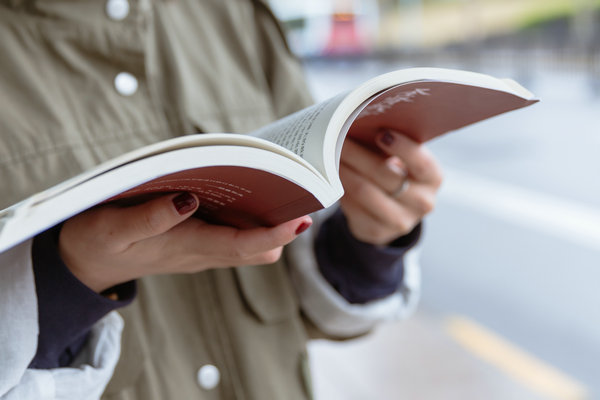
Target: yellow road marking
x,y
539,377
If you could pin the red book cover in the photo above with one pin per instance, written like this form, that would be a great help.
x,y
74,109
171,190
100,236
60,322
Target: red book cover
x,y
236,196
424,110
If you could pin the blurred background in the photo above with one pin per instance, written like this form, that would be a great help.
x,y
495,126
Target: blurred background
x,y
511,256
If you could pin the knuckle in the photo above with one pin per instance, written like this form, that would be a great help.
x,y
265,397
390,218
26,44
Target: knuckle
x,y
426,165
150,223
98,217
93,227
437,177
361,189
373,232
99,221
238,253
266,257
425,205
271,256
401,224
379,237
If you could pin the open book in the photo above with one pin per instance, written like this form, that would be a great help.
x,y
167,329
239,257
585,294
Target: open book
x,y
283,170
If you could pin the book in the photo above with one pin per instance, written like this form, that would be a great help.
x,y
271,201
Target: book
x,y
284,170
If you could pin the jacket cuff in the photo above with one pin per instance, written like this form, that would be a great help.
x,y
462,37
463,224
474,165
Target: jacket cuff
x,y
94,368
359,271
330,312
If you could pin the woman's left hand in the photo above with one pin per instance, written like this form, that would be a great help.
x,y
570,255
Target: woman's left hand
x,y
387,195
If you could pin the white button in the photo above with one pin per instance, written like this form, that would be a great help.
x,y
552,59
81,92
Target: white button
x,y
126,84
208,377
117,9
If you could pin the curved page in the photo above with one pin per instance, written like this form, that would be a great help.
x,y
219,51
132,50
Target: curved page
x,y
422,103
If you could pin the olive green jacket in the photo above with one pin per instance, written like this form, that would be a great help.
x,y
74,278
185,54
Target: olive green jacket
x,y
195,66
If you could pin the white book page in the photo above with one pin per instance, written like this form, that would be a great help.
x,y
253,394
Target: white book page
x,y
304,131
207,139
28,218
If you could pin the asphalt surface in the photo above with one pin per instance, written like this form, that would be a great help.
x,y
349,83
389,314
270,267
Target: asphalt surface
x,y
513,246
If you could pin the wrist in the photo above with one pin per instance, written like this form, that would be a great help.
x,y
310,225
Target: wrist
x,y
358,270
87,270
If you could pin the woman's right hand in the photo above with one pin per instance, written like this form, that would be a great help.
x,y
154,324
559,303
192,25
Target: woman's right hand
x,y
109,245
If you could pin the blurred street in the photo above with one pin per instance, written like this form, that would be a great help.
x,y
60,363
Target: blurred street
x,y
511,253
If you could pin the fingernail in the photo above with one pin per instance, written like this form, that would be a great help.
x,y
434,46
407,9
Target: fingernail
x,y
394,165
184,203
387,138
302,227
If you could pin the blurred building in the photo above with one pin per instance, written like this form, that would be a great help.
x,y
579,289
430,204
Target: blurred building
x,y
330,27
568,30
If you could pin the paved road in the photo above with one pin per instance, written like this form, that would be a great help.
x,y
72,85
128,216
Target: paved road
x,y
527,276
514,243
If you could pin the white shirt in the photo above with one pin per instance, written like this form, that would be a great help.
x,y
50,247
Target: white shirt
x,y
91,370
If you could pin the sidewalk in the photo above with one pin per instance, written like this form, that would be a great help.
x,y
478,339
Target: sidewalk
x,y
413,359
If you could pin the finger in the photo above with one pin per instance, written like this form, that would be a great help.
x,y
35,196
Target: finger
x,y
197,245
266,257
399,212
418,198
251,242
152,218
420,163
386,172
373,199
368,228
232,245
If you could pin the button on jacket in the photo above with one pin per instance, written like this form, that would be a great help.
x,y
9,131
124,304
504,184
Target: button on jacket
x,y
84,81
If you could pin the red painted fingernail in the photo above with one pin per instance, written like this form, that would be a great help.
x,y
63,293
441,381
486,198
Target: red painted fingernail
x,y
184,203
302,227
387,138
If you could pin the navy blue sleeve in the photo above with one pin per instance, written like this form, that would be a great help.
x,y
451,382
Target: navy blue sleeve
x,y
67,308
360,271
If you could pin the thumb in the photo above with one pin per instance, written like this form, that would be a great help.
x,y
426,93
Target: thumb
x,y
154,217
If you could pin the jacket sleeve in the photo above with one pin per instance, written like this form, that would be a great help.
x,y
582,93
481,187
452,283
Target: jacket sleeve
x,y
330,312
90,372
67,308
